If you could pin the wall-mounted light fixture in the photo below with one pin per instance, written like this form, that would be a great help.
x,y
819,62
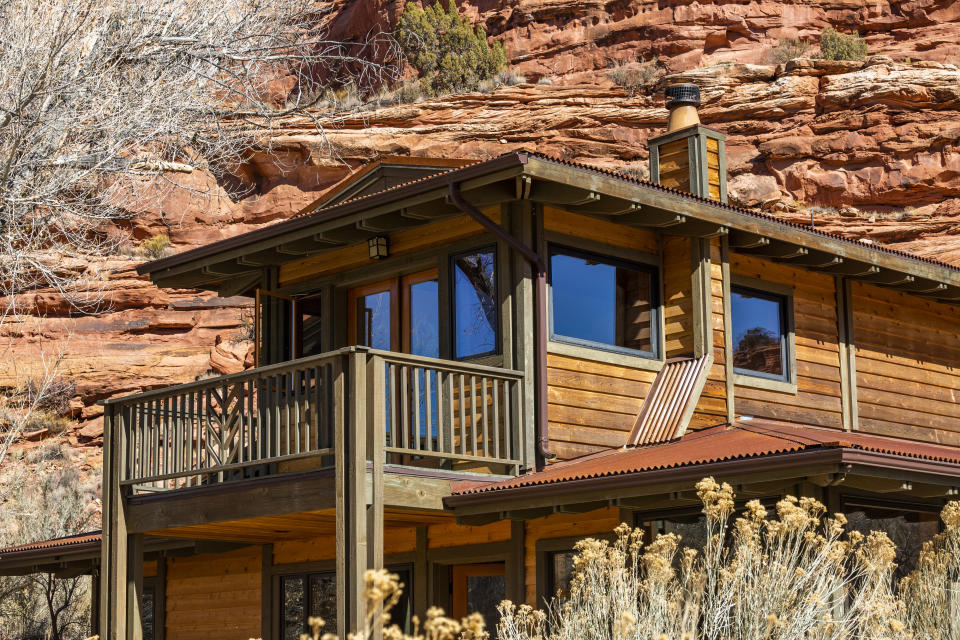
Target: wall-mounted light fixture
x,y
378,247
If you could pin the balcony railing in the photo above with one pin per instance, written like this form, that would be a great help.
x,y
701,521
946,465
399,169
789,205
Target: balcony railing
x,y
423,411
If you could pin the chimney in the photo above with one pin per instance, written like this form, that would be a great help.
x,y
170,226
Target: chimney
x,y
689,157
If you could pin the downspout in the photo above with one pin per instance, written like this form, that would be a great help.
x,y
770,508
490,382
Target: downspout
x,y
531,256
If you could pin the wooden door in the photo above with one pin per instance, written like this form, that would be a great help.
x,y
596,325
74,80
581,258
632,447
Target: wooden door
x,y
373,316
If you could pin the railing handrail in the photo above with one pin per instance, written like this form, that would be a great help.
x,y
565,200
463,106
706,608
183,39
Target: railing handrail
x,y
233,377
454,366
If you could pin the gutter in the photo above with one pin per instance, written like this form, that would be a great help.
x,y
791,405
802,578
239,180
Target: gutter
x,y
537,262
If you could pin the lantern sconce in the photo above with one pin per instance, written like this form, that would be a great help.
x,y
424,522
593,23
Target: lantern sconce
x,y
378,247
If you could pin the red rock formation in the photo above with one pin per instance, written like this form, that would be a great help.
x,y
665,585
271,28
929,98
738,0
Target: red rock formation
x,y
870,146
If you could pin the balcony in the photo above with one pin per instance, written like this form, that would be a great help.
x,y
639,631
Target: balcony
x,y
351,406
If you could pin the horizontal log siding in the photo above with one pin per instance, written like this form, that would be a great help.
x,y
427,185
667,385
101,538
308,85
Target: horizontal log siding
x,y
561,525
712,406
592,405
434,234
817,401
677,297
589,228
215,596
908,350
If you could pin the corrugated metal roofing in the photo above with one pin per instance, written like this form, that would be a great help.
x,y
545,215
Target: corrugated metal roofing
x,y
56,543
521,156
667,408
742,440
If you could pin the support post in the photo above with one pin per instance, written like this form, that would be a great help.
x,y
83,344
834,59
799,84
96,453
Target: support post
x,y
95,601
135,586
114,552
848,359
518,219
421,573
350,453
375,456
701,293
731,387
516,566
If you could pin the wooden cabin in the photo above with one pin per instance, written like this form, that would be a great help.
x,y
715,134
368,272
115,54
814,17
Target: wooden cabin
x,y
463,367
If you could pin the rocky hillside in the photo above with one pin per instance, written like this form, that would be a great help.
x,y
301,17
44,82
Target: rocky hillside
x,y
863,148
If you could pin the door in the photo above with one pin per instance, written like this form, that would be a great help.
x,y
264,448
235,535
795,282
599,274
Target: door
x,y
400,314
478,588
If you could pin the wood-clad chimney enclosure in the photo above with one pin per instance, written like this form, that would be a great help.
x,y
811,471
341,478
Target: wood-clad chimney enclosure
x,y
689,157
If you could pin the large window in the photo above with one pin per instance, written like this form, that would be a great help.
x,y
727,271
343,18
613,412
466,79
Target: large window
x,y
476,322
308,595
602,302
761,327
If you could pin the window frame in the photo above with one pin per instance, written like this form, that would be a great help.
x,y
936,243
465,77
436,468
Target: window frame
x,y
452,284
787,381
656,303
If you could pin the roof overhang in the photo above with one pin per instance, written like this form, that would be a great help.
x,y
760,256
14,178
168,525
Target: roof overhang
x,y
236,264
69,557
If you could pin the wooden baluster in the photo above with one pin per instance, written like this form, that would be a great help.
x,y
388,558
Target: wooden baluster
x,y
483,409
428,401
496,418
404,424
463,420
416,406
451,415
473,414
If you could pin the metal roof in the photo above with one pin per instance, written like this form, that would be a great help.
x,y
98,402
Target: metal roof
x,y
745,439
520,161
91,539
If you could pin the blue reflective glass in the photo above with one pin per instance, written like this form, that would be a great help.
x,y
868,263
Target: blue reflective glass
x,y
373,318
601,302
475,304
424,323
758,331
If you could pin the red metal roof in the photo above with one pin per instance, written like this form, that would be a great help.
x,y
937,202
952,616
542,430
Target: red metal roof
x,y
93,537
743,440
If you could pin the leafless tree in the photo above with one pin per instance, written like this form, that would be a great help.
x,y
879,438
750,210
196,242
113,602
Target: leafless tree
x,y
106,104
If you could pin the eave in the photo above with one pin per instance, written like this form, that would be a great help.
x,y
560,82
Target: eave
x,y
236,264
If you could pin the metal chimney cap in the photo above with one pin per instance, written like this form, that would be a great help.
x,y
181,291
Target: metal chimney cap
x,y
678,95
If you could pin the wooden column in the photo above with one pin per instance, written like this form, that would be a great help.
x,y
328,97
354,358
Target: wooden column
x,y
519,221
727,330
114,553
135,587
375,456
351,480
702,296
95,601
421,574
267,628
848,358
515,566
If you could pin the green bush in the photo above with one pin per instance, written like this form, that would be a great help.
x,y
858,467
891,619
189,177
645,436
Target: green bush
x,y
446,50
156,247
840,46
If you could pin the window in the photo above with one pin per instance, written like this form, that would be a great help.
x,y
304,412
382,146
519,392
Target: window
x,y
761,328
603,302
475,311
308,595
559,573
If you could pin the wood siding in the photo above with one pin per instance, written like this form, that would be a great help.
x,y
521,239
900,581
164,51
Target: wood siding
x,y
214,597
817,399
561,525
908,365
712,407
677,297
401,243
597,230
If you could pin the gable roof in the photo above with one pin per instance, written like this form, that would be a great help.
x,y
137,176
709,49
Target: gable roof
x,y
580,188
383,173
743,441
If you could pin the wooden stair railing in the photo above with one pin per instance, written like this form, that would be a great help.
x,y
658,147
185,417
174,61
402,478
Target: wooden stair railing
x,y
671,400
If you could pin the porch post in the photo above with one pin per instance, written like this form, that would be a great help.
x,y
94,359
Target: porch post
x,y
351,481
121,566
375,458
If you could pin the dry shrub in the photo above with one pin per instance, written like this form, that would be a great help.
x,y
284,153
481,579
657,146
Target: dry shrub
x,y
797,576
634,76
787,50
840,46
156,247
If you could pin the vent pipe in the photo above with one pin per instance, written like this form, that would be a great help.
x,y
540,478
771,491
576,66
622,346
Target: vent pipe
x,y
682,102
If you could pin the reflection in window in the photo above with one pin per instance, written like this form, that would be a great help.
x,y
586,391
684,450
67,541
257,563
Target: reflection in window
x,y
759,332
373,320
475,323
908,531
306,596
148,615
560,568
602,302
424,322
484,595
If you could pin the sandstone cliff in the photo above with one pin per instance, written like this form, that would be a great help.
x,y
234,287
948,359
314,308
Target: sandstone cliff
x,y
863,148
